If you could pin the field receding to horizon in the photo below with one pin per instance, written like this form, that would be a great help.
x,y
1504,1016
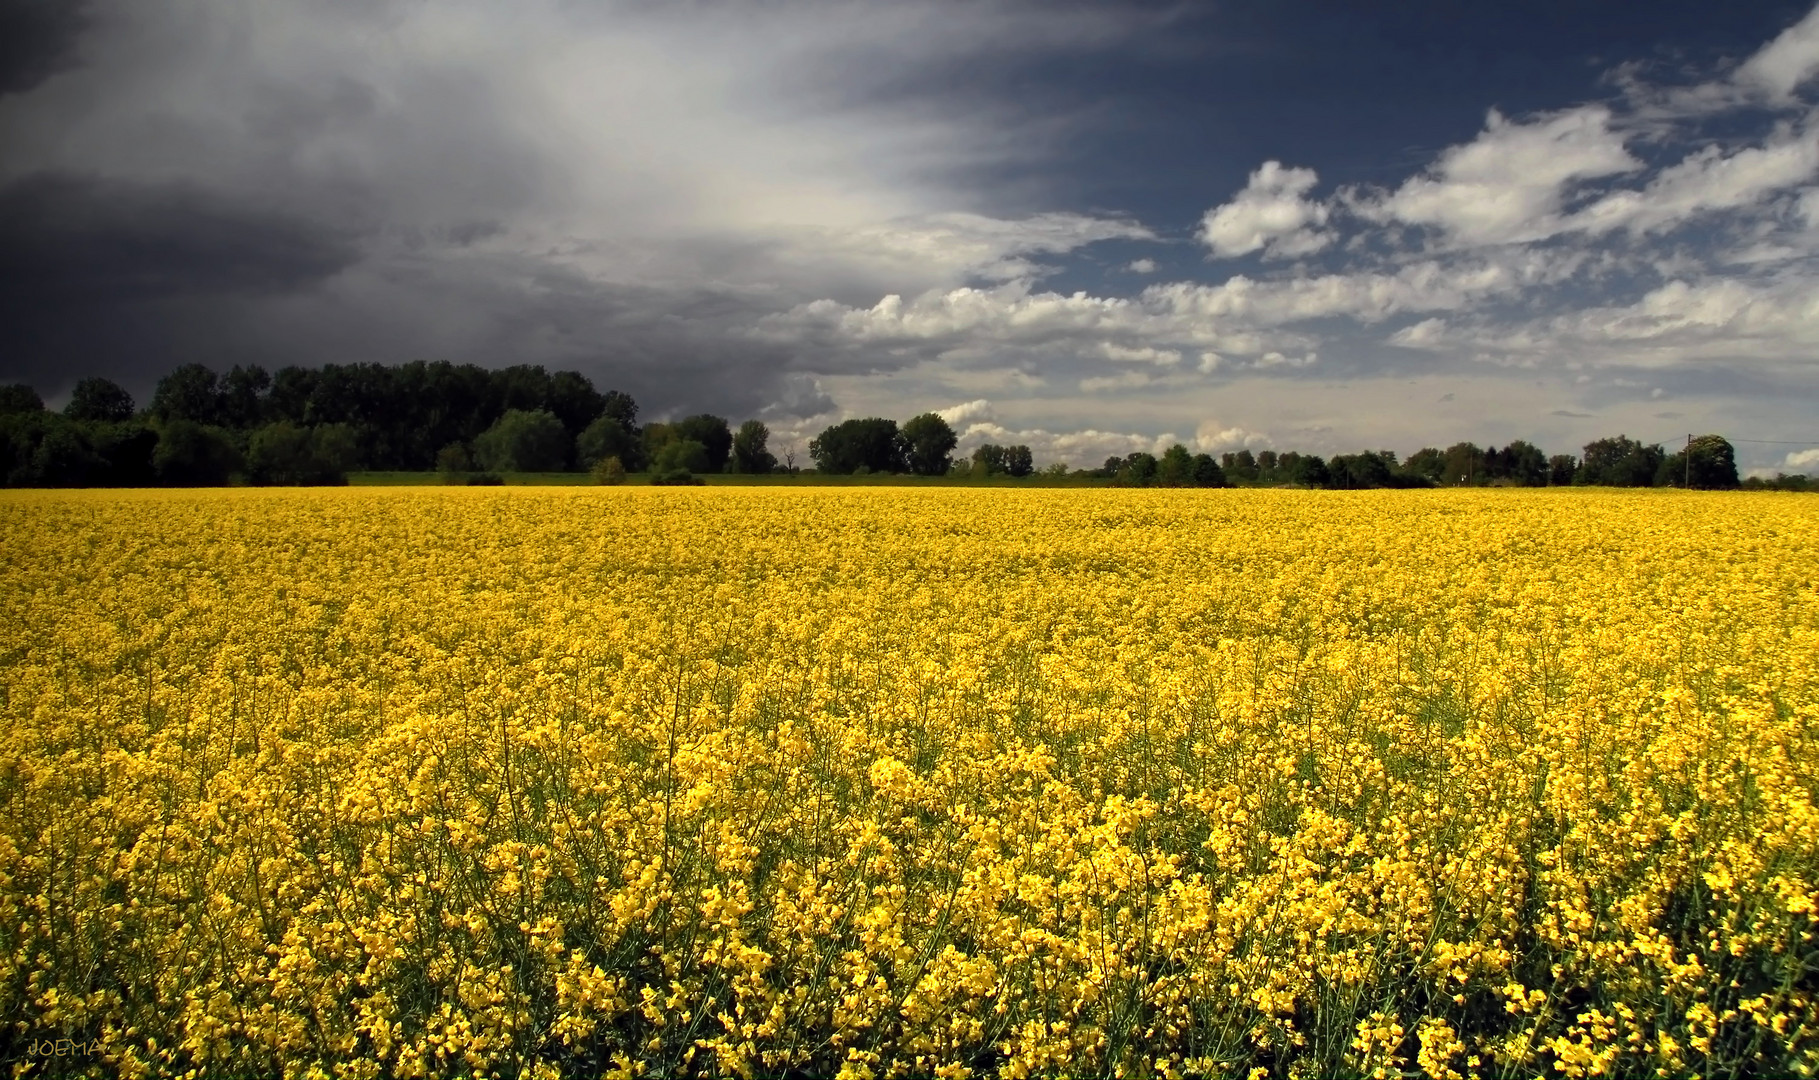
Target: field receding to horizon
x,y
581,781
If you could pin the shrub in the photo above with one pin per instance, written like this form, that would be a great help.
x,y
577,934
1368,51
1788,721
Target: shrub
x,y
676,478
609,471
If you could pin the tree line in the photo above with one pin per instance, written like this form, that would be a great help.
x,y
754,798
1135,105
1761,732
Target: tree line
x,y
314,425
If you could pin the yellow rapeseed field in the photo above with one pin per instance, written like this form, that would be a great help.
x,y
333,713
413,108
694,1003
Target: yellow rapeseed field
x,y
899,782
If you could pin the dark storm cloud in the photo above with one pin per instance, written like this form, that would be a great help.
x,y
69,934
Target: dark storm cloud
x,y
87,242
38,38
87,261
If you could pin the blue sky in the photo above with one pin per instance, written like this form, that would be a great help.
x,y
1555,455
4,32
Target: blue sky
x,y
1090,228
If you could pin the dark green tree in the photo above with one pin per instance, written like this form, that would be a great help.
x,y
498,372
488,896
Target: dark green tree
x,y
1176,469
1207,472
191,393
1619,462
523,387
1018,461
1712,465
102,400
242,396
608,437
681,455
712,433
1560,469
574,400
1524,463
285,454
19,398
194,455
989,460
1244,466
454,458
1357,471
523,441
1139,470
928,440
620,406
871,443
1427,463
127,447
1463,463
751,452
1310,471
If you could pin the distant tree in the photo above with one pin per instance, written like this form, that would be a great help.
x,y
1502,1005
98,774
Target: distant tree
x,y
194,455
291,392
1018,461
337,446
522,387
871,442
1207,472
989,460
1360,470
1310,471
1176,468
1619,462
1267,461
189,393
712,433
574,400
1245,466
928,440
284,454
126,447
46,449
751,455
1560,469
1427,463
1139,470
652,438
19,398
1713,465
681,455
620,406
454,458
241,398
1524,463
1463,463
1111,467
102,400
609,471
1780,482
608,437
1714,462
523,441
1055,470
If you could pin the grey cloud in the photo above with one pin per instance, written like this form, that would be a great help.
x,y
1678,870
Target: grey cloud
x,y
1570,414
80,241
38,38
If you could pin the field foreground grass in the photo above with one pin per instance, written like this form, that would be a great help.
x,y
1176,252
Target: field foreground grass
x,y
756,782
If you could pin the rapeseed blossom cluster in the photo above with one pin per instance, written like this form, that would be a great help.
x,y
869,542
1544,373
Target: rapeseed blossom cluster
x,y
882,783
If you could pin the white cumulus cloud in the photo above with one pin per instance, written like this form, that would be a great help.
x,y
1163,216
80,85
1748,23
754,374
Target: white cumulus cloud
x,y
1272,214
1212,437
1786,62
1508,184
978,410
